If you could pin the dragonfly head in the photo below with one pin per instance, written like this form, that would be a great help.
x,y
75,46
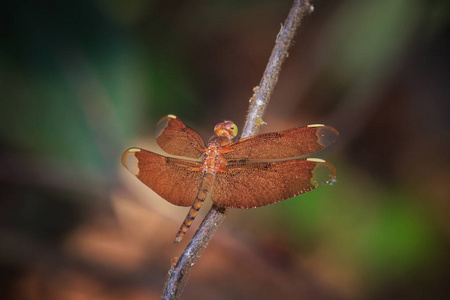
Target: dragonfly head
x,y
227,129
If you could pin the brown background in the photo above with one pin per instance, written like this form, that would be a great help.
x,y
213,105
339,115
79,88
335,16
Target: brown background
x,y
84,80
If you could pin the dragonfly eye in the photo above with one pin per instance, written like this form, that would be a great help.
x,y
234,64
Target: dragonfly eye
x,y
226,128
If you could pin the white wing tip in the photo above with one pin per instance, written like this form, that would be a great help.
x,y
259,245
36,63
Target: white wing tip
x,y
316,160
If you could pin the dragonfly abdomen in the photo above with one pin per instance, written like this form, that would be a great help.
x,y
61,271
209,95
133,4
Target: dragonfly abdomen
x,y
203,192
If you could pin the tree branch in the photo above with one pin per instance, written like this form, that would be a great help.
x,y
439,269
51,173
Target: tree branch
x,y
179,273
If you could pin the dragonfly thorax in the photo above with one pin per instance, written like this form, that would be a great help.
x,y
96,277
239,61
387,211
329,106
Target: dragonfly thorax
x,y
212,159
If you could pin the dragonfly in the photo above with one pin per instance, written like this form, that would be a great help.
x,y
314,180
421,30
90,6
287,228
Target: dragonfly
x,y
247,173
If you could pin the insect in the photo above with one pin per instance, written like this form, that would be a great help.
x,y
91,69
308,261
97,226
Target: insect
x,y
246,173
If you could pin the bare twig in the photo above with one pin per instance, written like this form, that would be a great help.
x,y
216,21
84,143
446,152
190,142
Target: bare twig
x,y
270,77
179,273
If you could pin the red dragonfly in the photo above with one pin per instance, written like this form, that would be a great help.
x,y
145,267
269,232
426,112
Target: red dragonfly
x,y
223,167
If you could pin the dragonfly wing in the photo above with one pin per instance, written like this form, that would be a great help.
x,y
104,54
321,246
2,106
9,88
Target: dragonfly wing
x,y
284,144
175,138
175,180
247,185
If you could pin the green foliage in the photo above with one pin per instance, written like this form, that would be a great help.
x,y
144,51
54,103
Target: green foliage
x,y
382,233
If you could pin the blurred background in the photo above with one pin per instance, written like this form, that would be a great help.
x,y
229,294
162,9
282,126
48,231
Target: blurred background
x,y
81,81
